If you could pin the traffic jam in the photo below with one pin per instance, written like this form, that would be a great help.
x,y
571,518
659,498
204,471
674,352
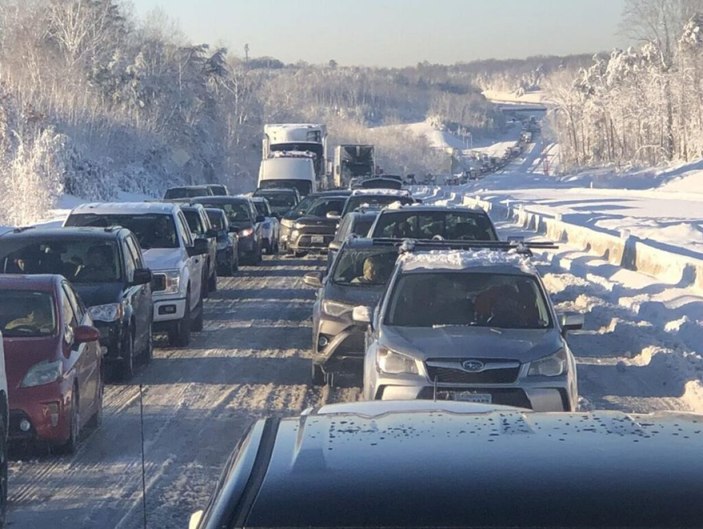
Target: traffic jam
x,y
468,411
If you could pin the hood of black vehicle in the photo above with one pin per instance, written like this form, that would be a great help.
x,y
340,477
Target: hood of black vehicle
x,y
99,293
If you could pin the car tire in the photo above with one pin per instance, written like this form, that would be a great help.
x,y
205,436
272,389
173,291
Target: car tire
x,y
97,419
148,352
127,363
212,283
70,446
3,471
198,320
319,378
235,263
179,335
205,283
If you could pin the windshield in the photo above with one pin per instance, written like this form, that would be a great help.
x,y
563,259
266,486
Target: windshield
x,y
235,211
450,225
364,267
195,223
304,187
504,301
27,313
153,230
79,261
374,201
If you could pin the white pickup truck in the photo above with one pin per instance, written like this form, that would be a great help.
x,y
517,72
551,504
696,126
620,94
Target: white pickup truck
x,y
170,251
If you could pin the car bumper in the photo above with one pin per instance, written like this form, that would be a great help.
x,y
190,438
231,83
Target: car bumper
x,y
337,342
311,243
247,246
169,309
224,256
548,395
111,335
46,411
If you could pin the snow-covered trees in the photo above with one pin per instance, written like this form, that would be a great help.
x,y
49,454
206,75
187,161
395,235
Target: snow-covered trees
x,y
642,105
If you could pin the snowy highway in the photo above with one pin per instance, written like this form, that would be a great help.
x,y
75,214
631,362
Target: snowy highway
x,y
252,360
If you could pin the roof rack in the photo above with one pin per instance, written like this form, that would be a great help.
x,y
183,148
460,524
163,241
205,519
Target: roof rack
x,y
515,246
23,228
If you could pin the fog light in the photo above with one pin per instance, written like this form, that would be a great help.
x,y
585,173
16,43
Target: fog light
x,y
25,426
322,342
167,309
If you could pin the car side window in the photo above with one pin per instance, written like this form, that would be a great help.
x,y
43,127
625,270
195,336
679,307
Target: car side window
x,y
135,251
184,230
68,312
130,263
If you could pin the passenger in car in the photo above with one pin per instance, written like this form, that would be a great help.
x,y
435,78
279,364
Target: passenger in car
x,y
370,273
98,267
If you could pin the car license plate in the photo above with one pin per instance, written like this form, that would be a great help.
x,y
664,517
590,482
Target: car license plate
x,y
317,239
470,396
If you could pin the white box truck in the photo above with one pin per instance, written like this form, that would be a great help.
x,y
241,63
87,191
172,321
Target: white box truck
x,y
289,172
283,138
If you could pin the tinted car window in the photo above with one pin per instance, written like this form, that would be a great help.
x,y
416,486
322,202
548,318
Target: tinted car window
x,y
153,230
195,223
217,220
279,201
468,299
425,225
368,266
235,211
262,208
27,313
322,206
80,261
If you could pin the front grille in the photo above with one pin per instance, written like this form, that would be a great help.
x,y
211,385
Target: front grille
x,y
158,282
502,396
459,376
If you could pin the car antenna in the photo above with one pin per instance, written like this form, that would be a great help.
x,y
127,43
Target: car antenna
x,y
141,428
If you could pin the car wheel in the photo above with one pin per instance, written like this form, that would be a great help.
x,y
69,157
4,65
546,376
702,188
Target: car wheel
x,y
198,320
212,283
97,419
179,335
235,263
127,364
319,378
148,352
69,447
205,283
3,471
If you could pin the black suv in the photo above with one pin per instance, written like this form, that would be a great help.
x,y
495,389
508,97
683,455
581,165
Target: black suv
x,y
106,267
200,227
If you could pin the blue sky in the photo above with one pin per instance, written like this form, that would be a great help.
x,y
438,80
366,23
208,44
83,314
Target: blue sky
x,y
397,32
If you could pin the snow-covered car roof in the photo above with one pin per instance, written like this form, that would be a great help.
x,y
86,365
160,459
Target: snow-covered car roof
x,y
396,206
458,260
382,192
122,208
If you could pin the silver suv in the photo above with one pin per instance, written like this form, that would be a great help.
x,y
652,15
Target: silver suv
x,y
469,325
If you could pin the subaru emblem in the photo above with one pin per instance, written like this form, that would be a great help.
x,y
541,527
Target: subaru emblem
x,y
472,365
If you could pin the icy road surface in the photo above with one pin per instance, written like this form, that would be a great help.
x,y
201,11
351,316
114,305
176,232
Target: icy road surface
x,y
639,352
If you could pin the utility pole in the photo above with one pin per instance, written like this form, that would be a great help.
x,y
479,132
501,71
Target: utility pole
x,y
246,53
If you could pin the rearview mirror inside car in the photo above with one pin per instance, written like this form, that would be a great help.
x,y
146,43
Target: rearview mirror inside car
x,y
571,321
313,279
361,314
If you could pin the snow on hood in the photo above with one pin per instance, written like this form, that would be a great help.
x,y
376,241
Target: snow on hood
x,y
163,258
464,259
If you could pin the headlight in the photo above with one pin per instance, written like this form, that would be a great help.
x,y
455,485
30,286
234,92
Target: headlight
x,y
395,363
247,232
294,235
43,373
109,312
172,281
335,309
549,366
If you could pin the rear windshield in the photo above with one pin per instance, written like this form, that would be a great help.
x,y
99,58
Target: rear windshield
x,y
235,211
187,192
450,225
27,313
80,261
153,230
435,299
304,187
367,266
278,200
374,201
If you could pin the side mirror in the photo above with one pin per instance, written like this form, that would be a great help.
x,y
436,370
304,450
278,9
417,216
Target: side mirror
x,y
85,334
313,279
333,215
200,247
142,276
260,218
211,234
571,322
195,520
362,314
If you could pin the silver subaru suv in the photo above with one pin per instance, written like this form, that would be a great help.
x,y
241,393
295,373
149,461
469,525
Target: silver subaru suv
x,y
472,326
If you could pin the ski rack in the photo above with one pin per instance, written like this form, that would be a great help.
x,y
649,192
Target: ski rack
x,y
519,247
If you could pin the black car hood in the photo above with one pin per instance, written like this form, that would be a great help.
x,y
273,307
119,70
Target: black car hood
x,y
524,345
99,293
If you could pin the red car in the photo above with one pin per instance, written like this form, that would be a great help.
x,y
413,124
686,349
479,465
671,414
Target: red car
x,y
53,360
